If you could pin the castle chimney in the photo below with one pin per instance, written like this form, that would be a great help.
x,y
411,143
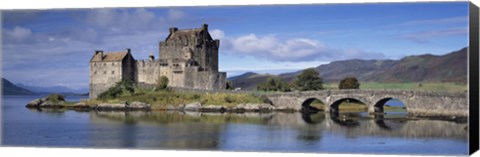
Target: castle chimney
x,y
173,29
99,52
205,26
128,50
151,57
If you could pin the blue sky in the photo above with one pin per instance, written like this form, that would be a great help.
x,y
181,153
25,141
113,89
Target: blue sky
x,y
53,47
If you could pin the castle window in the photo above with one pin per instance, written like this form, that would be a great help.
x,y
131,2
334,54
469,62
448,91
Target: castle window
x,y
113,72
113,63
95,72
104,72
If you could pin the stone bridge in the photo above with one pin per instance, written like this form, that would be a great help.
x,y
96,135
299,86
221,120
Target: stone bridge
x,y
419,103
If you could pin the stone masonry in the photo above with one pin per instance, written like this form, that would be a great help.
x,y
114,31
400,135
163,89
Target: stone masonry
x,y
418,103
188,58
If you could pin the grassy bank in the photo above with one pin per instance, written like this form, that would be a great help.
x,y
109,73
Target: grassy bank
x,y
442,87
163,98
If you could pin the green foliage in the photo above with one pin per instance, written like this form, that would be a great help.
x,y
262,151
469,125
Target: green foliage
x,y
265,99
162,82
55,98
274,84
230,85
309,79
228,99
349,83
122,87
163,98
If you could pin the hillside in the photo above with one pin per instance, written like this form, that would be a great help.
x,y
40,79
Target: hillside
x,y
53,89
8,88
451,67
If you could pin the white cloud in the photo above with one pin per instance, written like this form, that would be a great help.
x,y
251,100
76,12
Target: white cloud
x,y
17,33
120,21
271,47
217,34
175,14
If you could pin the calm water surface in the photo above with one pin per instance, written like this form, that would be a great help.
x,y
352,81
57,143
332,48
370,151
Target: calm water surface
x,y
269,132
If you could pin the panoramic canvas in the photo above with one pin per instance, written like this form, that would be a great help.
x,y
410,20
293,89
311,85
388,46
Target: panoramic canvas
x,y
378,78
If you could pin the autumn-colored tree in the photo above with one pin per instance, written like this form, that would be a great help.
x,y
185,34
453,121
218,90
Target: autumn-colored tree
x,y
349,83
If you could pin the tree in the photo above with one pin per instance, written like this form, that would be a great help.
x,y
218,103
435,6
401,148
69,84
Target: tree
x,y
162,82
230,85
274,84
309,79
349,83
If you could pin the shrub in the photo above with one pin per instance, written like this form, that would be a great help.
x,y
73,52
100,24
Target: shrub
x,y
162,82
274,84
122,87
228,99
349,83
55,98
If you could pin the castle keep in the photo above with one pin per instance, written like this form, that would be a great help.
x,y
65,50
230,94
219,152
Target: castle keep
x,y
188,58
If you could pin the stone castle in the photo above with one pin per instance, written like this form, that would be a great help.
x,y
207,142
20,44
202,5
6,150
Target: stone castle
x,y
188,58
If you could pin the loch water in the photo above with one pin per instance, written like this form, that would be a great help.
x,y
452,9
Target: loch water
x,y
259,132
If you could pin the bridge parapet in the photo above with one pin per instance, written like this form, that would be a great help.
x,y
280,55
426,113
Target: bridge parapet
x,y
421,103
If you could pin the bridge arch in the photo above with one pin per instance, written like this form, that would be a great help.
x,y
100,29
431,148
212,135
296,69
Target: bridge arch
x,y
378,107
312,104
334,107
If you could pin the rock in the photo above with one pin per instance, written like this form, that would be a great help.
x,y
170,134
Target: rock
x,y
252,107
239,107
136,105
281,108
49,104
105,106
35,103
81,105
193,106
213,108
266,107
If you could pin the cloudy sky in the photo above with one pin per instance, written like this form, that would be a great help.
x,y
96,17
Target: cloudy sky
x,y
53,47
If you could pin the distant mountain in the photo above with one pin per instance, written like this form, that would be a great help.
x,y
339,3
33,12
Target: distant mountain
x,y
8,88
54,89
451,67
249,80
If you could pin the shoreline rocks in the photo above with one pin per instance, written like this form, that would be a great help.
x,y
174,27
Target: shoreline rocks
x,y
45,103
82,106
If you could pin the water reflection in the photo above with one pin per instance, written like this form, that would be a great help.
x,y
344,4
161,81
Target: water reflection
x,y
179,130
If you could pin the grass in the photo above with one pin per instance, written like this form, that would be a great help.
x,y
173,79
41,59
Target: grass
x,y
418,86
161,99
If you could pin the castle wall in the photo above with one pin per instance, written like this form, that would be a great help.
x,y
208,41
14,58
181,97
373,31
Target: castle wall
x,y
147,71
210,80
104,75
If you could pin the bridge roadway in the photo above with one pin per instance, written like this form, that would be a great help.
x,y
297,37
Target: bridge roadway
x,y
418,103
